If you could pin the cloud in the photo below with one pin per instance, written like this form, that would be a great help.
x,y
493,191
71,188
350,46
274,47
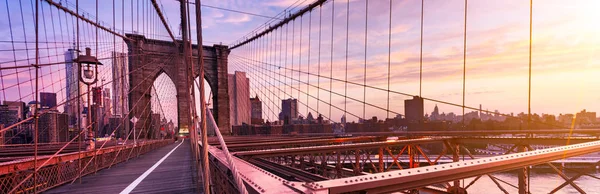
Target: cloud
x,y
286,3
236,19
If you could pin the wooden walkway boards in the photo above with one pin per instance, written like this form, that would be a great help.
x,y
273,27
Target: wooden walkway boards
x,y
173,175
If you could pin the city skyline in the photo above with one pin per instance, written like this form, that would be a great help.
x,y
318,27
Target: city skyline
x,y
496,43
297,96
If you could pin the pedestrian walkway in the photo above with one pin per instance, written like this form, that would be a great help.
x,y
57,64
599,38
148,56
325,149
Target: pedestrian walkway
x,y
166,170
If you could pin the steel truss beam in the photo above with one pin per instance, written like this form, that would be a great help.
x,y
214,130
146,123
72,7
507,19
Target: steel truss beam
x,y
329,148
424,176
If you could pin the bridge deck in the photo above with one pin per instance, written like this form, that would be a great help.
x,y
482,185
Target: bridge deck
x,y
173,175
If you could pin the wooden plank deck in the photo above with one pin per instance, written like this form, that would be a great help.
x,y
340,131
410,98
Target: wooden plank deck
x,y
173,175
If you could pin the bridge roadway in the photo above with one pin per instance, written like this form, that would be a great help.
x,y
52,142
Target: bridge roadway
x,y
165,170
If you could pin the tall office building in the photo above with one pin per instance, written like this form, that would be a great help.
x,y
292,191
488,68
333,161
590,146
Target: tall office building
x,y
106,98
239,98
256,112
107,104
120,84
289,110
413,109
48,100
8,115
73,84
19,107
53,127
97,96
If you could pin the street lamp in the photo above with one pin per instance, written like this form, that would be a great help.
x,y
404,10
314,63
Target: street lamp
x,y
88,76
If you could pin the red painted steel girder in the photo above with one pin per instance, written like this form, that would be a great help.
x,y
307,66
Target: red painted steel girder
x,y
526,140
423,176
301,142
594,132
326,148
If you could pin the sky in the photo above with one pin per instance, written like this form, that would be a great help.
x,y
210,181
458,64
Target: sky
x,y
565,53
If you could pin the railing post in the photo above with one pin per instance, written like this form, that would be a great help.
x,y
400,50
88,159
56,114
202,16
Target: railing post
x,y
523,175
381,159
338,165
357,170
411,157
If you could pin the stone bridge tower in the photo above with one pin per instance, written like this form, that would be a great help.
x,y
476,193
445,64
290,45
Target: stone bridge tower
x,y
149,58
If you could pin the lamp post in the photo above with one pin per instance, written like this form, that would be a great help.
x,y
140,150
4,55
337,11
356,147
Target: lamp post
x,y
88,76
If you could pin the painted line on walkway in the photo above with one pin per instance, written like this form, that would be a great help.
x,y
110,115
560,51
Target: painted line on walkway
x,y
143,176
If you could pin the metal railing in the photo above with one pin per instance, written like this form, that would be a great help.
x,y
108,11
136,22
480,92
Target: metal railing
x,y
65,168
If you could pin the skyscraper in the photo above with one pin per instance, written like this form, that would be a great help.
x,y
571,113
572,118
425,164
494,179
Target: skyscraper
x,y
239,98
8,115
97,96
107,104
73,84
48,100
413,109
256,115
19,107
289,110
53,127
120,84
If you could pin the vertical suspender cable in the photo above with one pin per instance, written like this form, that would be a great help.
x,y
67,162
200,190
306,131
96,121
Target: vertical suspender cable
x,y
421,53
79,120
365,68
300,56
530,43
292,57
132,16
202,98
300,53
319,59
331,57
389,61
280,58
37,78
192,101
529,90
123,75
308,63
464,66
464,72
346,68
287,27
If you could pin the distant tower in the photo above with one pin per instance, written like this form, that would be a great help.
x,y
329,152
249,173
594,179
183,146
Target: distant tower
x,y
435,115
120,83
256,113
289,110
73,84
239,98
